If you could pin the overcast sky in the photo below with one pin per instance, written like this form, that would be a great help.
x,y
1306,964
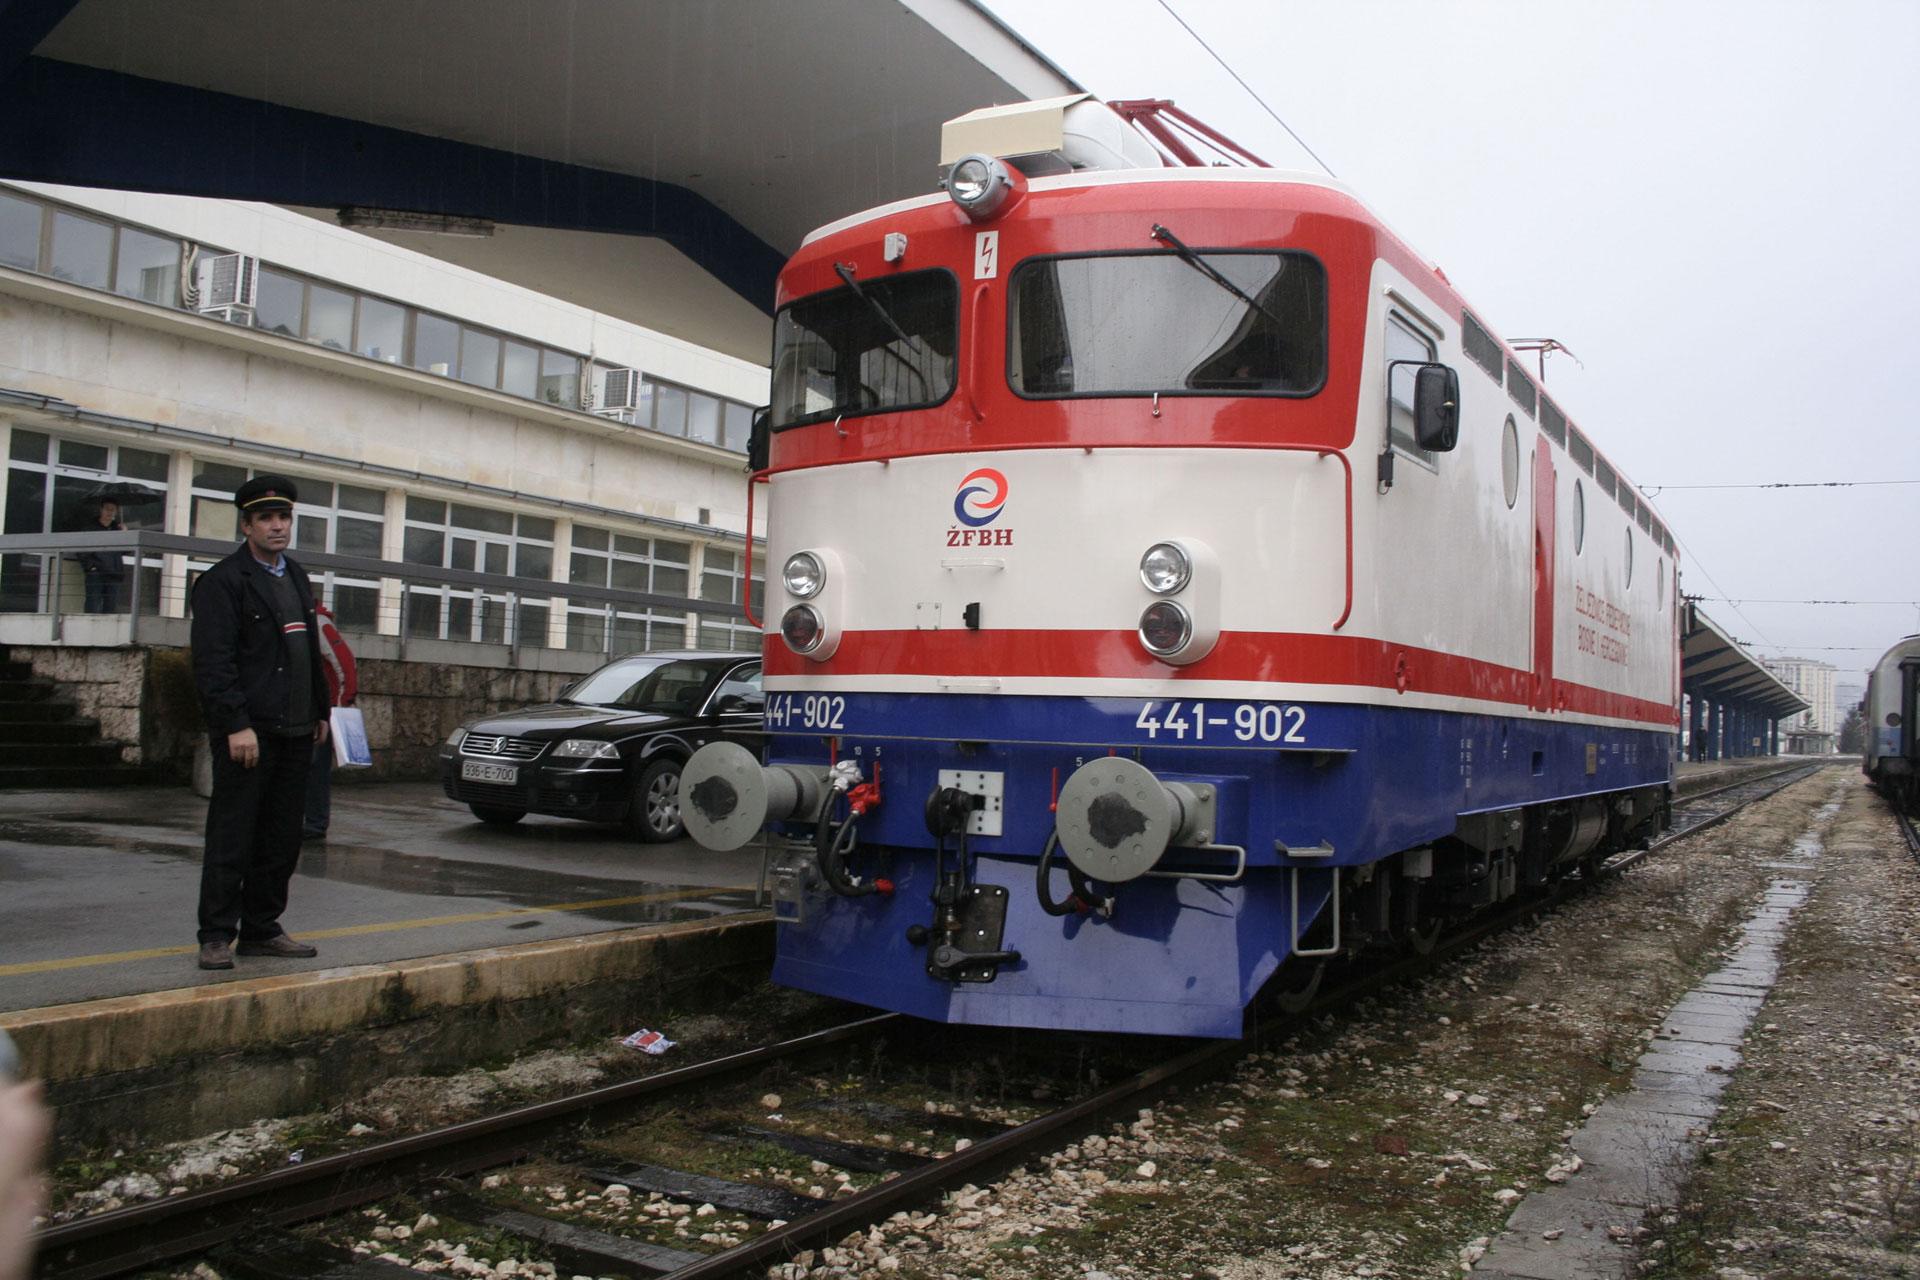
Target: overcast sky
x,y
1715,205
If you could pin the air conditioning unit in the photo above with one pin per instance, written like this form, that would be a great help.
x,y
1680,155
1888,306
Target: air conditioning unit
x,y
228,280
619,390
230,315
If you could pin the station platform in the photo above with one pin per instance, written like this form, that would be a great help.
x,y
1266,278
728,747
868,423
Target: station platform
x,y
436,933
1693,776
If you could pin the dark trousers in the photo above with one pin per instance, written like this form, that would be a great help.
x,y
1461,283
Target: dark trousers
x,y
103,593
253,838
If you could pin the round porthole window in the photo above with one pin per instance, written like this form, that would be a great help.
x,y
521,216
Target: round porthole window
x,y
1629,557
1510,462
1579,517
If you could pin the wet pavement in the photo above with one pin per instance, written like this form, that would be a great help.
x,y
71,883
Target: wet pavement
x,y
98,889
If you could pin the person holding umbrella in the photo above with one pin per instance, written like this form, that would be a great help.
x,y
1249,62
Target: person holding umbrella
x,y
106,570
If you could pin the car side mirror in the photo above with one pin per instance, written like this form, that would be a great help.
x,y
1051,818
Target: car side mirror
x,y
566,690
739,702
1436,408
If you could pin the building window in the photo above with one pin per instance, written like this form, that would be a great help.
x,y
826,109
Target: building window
x,y
520,370
82,250
147,267
436,343
383,331
279,303
19,232
479,540
479,358
720,579
329,317
622,562
48,483
560,379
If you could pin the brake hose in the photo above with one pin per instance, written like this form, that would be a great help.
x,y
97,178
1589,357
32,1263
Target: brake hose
x,y
1081,901
831,847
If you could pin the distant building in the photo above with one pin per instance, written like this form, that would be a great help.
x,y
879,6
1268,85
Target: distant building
x,y
1815,731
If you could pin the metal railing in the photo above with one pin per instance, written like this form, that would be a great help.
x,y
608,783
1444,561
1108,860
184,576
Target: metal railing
x,y
40,576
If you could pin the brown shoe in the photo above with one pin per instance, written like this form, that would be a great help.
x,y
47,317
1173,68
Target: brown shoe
x,y
278,945
216,955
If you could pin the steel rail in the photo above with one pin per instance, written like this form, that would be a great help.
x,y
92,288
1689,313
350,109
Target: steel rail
x,y
1782,779
115,1243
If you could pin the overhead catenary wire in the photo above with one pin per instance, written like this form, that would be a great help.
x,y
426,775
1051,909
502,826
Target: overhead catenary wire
x,y
1249,88
1904,604
1652,490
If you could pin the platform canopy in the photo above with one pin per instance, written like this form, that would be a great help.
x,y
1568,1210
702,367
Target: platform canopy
x,y
1717,668
693,142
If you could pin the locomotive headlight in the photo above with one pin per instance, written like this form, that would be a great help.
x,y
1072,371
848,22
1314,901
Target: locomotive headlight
x,y
1166,568
804,574
1165,628
802,628
982,185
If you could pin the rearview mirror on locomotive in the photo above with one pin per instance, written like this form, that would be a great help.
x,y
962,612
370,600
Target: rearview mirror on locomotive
x,y
1436,407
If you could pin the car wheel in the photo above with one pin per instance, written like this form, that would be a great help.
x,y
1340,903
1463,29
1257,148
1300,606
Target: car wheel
x,y
655,812
496,816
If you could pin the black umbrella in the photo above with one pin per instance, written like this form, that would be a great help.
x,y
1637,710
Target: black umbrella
x,y
124,492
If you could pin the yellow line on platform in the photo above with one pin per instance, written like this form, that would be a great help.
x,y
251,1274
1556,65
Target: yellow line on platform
x,y
391,926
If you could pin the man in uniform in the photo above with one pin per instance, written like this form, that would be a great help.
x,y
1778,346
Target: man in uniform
x,y
257,665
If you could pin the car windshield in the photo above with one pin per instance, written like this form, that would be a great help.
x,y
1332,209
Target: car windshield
x,y
870,347
673,685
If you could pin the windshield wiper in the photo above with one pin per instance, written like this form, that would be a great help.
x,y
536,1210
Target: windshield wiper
x,y
1194,260
845,272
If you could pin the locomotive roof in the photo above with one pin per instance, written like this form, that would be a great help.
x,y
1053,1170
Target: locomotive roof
x,y
1103,178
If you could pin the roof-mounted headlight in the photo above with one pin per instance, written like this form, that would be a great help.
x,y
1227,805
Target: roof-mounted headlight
x,y
981,185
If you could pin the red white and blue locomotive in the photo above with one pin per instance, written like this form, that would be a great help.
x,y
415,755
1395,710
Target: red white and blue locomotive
x,y
1169,576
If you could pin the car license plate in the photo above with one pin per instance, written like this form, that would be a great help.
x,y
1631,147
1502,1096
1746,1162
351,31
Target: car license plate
x,y
501,774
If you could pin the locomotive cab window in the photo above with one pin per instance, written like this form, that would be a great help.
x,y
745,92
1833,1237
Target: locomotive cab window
x,y
1405,344
872,346
1134,324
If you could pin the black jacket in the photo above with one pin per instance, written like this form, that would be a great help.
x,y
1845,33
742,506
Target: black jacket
x,y
239,654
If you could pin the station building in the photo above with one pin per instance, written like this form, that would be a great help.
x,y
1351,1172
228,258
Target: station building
x,y
457,440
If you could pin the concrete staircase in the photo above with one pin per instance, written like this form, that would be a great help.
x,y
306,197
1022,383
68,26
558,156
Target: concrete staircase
x,y
43,743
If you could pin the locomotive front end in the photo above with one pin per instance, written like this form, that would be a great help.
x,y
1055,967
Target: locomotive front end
x,y
995,789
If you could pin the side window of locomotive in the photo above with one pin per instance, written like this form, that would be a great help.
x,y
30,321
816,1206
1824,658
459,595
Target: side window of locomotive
x,y
1404,342
1123,324
887,346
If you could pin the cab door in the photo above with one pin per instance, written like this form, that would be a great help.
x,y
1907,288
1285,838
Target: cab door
x,y
1543,512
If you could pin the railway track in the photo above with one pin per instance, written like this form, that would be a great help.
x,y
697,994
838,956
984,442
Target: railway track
x,y
1909,831
245,1226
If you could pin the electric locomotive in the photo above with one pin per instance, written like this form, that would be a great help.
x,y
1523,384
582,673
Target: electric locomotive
x,y
1171,579
1892,754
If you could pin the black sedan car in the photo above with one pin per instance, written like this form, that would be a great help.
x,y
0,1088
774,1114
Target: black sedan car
x,y
611,748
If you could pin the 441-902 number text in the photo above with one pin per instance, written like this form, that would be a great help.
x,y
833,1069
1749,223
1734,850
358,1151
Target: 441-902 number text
x,y
1224,722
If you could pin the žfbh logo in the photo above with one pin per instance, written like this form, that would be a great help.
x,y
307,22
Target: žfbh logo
x,y
982,496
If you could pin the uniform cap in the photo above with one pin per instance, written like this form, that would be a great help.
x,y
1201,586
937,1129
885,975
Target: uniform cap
x,y
266,493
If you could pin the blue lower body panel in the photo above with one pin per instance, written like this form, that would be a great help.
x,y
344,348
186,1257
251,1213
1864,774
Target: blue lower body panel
x,y
1179,956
